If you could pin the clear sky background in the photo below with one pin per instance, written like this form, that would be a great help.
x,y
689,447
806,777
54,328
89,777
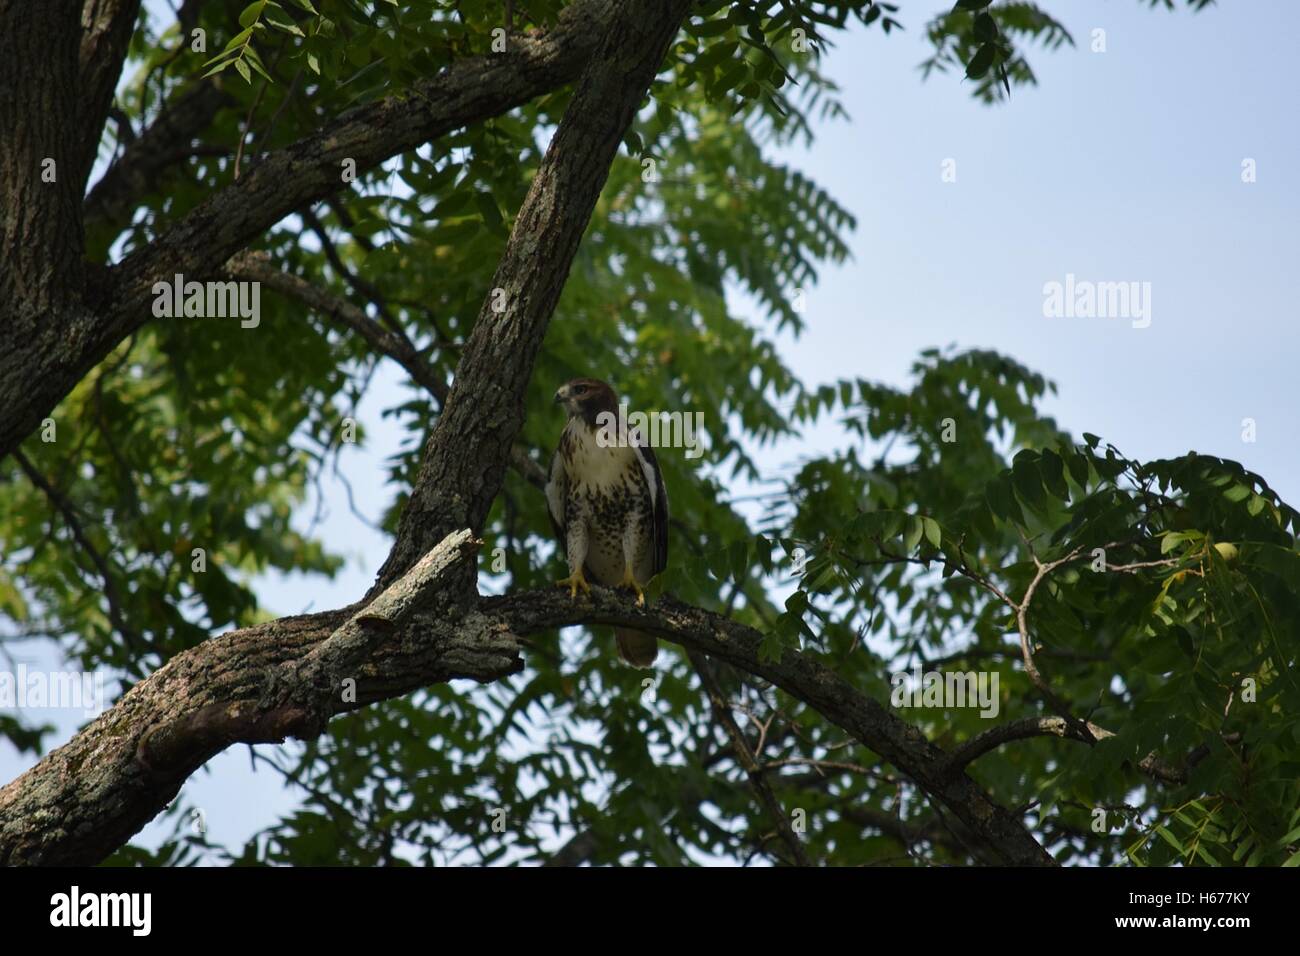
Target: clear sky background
x,y
1120,166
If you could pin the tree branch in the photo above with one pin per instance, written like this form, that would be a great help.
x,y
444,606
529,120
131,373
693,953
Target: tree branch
x,y
65,508
469,90
256,685
468,449
59,317
265,682
1153,765
106,28
745,758
167,141
1002,835
257,267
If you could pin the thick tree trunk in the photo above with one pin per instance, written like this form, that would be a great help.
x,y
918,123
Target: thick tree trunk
x,y
41,151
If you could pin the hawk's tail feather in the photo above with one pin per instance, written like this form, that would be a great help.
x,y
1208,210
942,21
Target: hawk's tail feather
x,y
636,647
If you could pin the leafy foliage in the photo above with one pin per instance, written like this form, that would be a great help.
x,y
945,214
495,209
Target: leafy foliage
x,y
917,544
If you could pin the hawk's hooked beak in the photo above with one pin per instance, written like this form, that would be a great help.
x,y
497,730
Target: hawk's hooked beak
x,y
561,395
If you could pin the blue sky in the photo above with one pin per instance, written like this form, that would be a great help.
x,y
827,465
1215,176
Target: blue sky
x,y
1119,166
1123,165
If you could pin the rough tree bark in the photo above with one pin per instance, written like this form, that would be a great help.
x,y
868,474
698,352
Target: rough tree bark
x,y
286,678
468,450
60,316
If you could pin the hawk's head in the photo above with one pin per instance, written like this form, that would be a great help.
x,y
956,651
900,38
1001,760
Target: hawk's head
x,y
586,398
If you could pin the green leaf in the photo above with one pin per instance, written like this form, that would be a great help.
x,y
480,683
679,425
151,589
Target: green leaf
x,y
931,531
733,77
1079,471
286,26
797,602
711,28
457,204
912,536
771,647
491,215
251,13
1053,471
1002,501
1028,482
1237,492
1171,840
739,561
255,62
1289,838
981,61
719,564
820,576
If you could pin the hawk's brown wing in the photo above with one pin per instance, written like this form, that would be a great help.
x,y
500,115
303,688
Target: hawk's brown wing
x,y
658,495
557,489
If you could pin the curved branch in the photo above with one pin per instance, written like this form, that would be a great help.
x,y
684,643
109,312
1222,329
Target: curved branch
x,y
257,685
287,678
1024,729
1002,836
288,179
166,142
257,267
1153,765
65,508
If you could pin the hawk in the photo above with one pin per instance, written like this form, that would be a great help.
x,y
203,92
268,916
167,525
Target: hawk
x,y
608,504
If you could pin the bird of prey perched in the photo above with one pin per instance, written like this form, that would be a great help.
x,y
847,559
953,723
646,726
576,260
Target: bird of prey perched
x,y
608,504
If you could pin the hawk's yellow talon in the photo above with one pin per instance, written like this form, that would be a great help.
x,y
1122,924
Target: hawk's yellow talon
x,y
630,582
573,582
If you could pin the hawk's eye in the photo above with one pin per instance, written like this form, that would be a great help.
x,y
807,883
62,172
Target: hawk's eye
x,y
579,389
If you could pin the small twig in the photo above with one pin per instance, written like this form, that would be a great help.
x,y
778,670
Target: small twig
x,y
65,507
722,714
248,120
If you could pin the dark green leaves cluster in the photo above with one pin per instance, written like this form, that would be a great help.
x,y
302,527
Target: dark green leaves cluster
x,y
903,548
1168,616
